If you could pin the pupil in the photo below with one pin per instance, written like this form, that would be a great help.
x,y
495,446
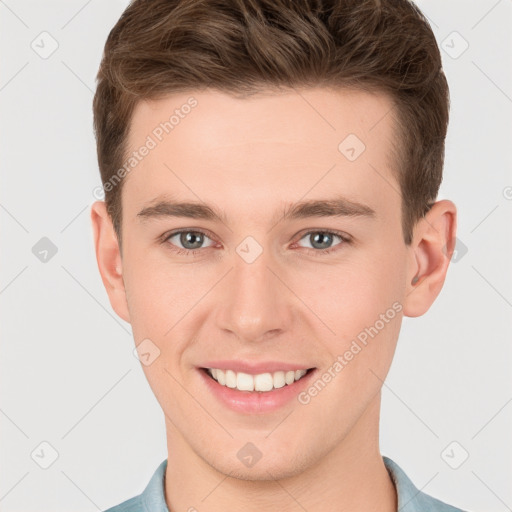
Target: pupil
x,y
317,240
193,238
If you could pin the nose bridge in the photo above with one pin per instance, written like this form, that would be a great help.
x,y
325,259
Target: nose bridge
x,y
253,302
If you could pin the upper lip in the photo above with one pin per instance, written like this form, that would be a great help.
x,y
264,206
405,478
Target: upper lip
x,y
254,368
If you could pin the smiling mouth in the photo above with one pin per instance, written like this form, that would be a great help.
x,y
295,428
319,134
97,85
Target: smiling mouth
x,y
262,382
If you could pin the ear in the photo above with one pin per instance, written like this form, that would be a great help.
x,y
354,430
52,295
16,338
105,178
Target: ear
x,y
108,256
430,254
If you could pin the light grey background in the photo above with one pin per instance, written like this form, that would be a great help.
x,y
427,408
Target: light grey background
x,y
68,374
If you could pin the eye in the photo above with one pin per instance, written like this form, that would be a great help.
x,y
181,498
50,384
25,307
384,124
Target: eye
x,y
190,241
321,241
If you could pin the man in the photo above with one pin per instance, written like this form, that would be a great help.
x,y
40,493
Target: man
x,y
271,171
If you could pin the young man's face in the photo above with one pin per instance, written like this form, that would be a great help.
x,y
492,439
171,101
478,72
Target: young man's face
x,y
259,287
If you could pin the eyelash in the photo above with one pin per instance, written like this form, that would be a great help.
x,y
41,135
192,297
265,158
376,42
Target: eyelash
x,y
195,252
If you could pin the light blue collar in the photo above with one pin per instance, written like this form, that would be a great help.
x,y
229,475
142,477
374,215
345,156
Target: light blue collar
x,y
410,499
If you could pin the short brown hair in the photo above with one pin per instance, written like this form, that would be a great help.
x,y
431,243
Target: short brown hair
x,y
240,47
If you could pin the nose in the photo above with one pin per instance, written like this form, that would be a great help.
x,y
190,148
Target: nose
x,y
255,305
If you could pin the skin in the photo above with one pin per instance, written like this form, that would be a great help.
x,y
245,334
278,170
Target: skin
x,y
249,158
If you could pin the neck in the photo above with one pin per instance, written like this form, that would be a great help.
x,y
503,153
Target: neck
x,y
351,477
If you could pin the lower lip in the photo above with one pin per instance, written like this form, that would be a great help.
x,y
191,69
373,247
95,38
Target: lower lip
x,y
256,402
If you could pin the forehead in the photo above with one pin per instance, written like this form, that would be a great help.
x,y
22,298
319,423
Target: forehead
x,y
316,113
266,146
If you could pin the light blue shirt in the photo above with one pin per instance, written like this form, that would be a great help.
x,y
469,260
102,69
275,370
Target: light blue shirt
x,y
410,499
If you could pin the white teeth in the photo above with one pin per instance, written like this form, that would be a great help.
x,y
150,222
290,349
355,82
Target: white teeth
x,y
244,382
298,374
230,379
279,381
220,376
261,382
290,377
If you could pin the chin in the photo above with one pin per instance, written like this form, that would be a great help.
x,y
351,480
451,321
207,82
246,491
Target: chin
x,y
264,470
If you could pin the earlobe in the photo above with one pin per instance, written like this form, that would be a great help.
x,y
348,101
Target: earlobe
x,y
431,250
108,257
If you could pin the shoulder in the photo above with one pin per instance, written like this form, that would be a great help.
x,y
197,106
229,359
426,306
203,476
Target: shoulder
x,y
152,498
411,499
132,505
431,504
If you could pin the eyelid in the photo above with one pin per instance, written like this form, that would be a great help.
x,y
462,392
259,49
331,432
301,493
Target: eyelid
x,y
341,234
165,237
345,239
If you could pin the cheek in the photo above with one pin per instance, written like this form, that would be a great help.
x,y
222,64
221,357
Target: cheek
x,y
158,294
359,301
158,300
370,321
362,305
352,294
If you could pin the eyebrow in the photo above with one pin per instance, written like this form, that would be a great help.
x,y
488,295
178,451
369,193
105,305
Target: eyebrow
x,y
330,207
